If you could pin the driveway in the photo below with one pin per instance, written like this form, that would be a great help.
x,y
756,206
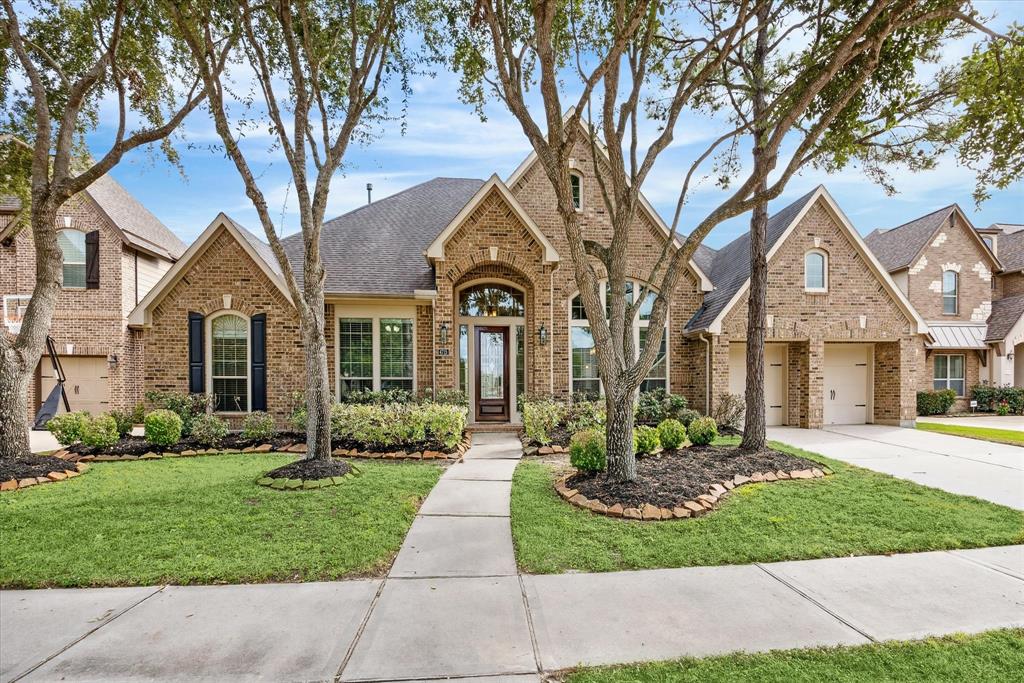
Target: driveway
x,y
1014,422
986,470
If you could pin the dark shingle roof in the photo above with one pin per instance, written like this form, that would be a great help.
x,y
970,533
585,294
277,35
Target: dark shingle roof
x,y
259,246
378,248
896,248
140,227
1005,313
731,266
1011,251
704,257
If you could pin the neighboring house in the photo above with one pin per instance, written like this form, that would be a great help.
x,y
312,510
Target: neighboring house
x,y
968,285
461,284
114,252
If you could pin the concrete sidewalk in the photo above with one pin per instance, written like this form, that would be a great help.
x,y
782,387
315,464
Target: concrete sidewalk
x,y
989,421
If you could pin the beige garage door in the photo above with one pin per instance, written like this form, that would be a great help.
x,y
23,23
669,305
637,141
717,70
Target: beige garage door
x,y
774,378
86,383
847,373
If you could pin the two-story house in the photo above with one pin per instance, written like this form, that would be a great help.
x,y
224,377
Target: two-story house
x,y
114,252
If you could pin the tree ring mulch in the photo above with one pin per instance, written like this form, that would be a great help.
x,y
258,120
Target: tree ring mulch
x,y
309,474
30,470
687,482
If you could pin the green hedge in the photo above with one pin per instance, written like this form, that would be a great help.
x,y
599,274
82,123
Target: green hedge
x,y
989,397
935,402
398,424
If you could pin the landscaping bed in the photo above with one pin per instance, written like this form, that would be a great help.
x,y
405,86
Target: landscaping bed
x,y
308,474
21,473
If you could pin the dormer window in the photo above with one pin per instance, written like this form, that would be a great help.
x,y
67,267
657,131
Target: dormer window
x,y
950,292
576,184
816,271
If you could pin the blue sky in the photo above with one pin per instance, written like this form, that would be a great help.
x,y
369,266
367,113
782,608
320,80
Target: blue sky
x,y
445,138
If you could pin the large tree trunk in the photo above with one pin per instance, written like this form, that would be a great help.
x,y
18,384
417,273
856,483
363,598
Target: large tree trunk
x,y
318,386
14,438
619,438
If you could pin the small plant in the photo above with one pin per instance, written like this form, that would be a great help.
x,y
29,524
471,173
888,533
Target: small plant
x,y
672,433
588,451
656,405
452,397
124,421
541,417
702,431
186,406
258,426
583,415
163,427
208,430
297,420
687,416
935,402
100,431
645,439
729,411
67,428
138,413
1003,409
378,398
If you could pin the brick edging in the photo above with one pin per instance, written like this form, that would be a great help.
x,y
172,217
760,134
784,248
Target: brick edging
x,y
14,484
703,504
286,484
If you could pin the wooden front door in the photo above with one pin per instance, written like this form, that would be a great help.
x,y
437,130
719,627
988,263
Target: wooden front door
x,y
492,404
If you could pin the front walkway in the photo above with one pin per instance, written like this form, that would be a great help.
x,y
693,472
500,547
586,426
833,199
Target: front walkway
x,y
454,605
1013,422
972,467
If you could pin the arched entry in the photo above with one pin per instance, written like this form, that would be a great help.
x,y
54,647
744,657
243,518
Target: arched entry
x,y
491,363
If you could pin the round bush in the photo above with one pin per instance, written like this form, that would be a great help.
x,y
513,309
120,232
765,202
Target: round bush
x,y
702,431
672,433
645,439
100,431
588,450
67,428
688,416
163,427
258,426
208,430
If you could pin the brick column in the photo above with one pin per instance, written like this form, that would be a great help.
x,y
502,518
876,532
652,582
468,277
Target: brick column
x,y
719,369
797,384
815,394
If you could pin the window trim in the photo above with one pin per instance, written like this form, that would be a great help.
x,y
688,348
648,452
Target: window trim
x,y
947,379
412,353
824,271
956,292
374,313
208,353
577,202
64,262
338,340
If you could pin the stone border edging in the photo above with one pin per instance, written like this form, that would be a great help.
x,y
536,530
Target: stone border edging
x,y
285,484
703,504
15,484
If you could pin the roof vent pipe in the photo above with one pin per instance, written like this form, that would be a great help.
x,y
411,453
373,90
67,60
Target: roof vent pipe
x,y
369,193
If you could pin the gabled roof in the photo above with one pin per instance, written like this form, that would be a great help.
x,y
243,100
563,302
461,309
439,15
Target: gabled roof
x,y
900,247
1005,314
731,267
378,248
1011,251
257,250
435,251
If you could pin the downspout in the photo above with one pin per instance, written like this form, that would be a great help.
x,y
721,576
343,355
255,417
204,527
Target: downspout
x,y
707,373
136,252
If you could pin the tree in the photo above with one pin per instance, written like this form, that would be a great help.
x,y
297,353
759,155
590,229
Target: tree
x,y
109,50
614,55
319,69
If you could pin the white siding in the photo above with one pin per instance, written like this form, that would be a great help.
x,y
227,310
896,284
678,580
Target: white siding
x,y
151,269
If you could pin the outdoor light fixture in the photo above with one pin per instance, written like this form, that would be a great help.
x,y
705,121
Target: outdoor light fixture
x,y
443,329
112,360
542,335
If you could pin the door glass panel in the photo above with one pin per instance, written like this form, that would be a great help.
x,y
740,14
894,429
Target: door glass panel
x,y
492,365
520,361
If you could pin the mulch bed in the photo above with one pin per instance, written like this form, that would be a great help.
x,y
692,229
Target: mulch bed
x,y
30,466
311,469
674,477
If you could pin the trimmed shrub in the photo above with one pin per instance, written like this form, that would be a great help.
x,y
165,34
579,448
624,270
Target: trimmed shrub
x,y
452,397
258,426
1003,409
935,402
163,427
100,431
209,430
378,398
588,450
540,418
671,433
989,397
398,424
702,431
656,405
67,428
645,439
186,406
124,420
729,410
297,420
583,415
687,416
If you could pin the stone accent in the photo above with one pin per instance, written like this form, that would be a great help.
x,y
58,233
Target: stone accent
x,y
283,484
15,484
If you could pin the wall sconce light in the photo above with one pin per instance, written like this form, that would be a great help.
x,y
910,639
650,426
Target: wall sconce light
x,y
112,360
443,329
542,335
1009,356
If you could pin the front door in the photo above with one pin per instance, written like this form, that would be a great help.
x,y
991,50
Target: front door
x,y
492,404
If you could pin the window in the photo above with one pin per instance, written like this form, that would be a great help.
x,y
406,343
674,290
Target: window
x,y
491,300
949,373
72,245
355,345
576,184
395,354
949,292
520,360
815,271
584,362
463,357
229,369
656,378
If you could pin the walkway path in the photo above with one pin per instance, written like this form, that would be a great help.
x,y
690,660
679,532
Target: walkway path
x,y
454,606
972,467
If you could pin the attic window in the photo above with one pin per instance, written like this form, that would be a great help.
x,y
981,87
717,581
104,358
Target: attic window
x,y
816,271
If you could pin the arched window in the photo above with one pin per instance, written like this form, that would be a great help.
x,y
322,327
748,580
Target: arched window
x,y
489,300
816,271
229,363
576,184
950,290
72,246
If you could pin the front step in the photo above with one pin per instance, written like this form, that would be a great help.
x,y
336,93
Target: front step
x,y
484,427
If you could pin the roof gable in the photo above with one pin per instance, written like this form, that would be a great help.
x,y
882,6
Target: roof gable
x,y
902,246
139,227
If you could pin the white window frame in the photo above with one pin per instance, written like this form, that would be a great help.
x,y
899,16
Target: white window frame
x,y
374,313
248,360
64,260
338,340
577,202
638,323
948,378
955,295
824,271
412,348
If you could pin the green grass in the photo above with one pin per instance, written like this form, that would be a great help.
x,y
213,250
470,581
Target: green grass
x,y
1007,436
204,520
852,512
991,656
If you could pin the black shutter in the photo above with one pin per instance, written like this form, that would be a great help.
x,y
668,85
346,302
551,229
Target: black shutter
x,y
258,325
92,260
196,354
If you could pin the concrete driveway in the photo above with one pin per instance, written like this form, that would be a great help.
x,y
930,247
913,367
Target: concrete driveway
x,y
990,471
1014,422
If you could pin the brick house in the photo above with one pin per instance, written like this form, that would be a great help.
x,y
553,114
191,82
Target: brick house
x,y
115,251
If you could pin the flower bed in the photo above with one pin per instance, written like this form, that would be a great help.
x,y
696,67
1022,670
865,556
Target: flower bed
x,y
21,473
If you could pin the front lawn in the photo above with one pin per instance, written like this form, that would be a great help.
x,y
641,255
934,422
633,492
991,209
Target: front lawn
x,y
991,656
1007,436
852,512
204,520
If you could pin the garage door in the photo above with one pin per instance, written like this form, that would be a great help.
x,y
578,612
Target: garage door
x,y
846,383
86,384
774,378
